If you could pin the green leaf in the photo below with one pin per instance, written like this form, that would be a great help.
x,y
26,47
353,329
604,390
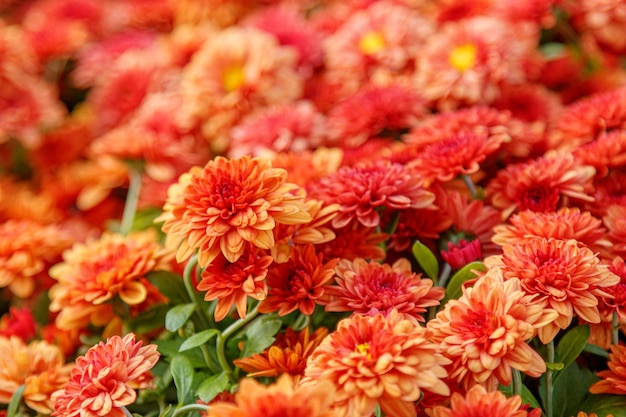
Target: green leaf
x,y
570,347
198,339
149,320
529,398
170,285
16,399
454,287
596,350
178,315
426,259
260,334
212,386
182,372
553,50
605,404
570,390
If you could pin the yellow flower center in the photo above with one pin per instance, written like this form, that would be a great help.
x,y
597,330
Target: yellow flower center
x,y
233,78
371,43
364,349
463,57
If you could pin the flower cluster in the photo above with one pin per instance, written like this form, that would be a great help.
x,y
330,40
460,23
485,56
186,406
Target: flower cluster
x,y
360,208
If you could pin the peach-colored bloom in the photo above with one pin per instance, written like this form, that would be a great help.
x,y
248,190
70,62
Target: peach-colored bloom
x,y
378,359
99,271
287,355
562,274
468,60
237,70
485,332
540,184
478,402
299,283
365,286
283,398
564,224
231,283
363,189
39,366
613,379
105,378
227,203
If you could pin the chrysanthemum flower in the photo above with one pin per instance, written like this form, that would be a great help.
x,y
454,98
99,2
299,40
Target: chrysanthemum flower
x,y
378,359
417,224
27,249
458,254
485,332
237,70
363,286
287,355
564,224
306,168
231,283
284,398
104,380
615,221
362,189
288,128
18,322
605,21
227,203
468,60
478,402
540,184
564,275
373,111
606,152
613,379
299,283
39,366
355,241
582,121
94,274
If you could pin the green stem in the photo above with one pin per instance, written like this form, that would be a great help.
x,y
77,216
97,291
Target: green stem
x,y
517,382
223,337
190,407
192,293
130,207
615,328
549,388
470,185
444,275
126,412
302,322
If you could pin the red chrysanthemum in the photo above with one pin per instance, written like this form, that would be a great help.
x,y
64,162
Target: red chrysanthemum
x,y
227,203
615,222
299,283
363,189
606,152
540,184
605,21
385,360
363,287
355,241
417,224
485,332
18,322
104,379
231,283
564,275
608,191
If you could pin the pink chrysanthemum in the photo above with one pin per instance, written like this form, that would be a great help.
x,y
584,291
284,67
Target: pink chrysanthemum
x,y
227,203
468,60
365,286
104,379
485,332
363,189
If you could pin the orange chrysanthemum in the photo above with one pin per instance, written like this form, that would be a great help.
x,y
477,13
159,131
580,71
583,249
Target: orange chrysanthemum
x,y
606,152
564,224
287,355
299,283
485,332
365,286
385,360
231,283
613,379
615,221
363,189
227,203
478,402
104,380
564,275
284,398
540,184
27,249
93,275
308,167
39,366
